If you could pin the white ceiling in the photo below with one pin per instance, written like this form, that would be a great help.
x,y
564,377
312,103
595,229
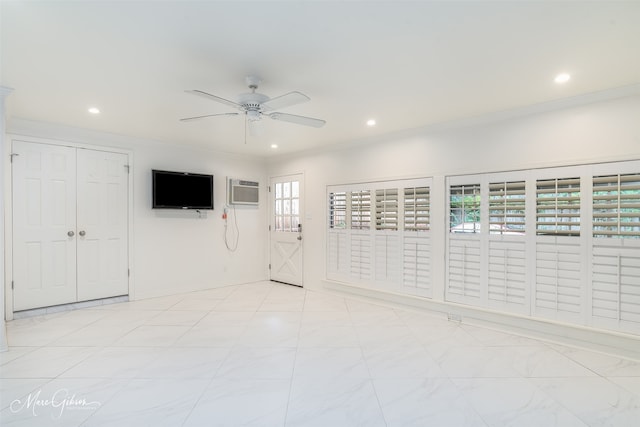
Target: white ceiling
x,y
406,64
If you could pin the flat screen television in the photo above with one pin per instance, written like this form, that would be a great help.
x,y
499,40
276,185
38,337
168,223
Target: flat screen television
x,y
182,190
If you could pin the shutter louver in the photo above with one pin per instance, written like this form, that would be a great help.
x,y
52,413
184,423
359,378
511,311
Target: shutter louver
x,y
507,208
387,253
338,210
416,268
559,287
416,209
387,209
337,254
360,255
616,206
558,207
615,282
464,270
361,210
507,273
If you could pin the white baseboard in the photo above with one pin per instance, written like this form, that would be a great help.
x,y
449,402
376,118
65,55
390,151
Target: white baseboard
x,y
609,342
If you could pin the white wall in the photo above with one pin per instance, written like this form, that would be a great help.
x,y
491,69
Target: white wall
x,y
593,132
176,251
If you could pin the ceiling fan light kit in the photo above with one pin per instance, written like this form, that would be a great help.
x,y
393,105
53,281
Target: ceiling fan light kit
x,y
256,105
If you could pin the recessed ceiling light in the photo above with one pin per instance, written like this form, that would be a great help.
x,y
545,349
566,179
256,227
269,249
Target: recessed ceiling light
x,y
562,78
274,146
94,110
371,122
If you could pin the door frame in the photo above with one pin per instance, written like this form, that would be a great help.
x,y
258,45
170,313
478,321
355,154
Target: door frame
x,y
8,203
302,216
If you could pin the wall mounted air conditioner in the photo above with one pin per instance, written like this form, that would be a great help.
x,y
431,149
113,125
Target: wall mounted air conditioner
x,y
241,192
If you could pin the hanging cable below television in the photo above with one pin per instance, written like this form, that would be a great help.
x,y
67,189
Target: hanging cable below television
x,y
234,245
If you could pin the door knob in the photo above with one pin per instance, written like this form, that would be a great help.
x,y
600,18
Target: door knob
x,y
70,233
82,233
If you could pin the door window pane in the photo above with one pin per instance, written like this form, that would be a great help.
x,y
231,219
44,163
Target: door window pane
x,y
287,206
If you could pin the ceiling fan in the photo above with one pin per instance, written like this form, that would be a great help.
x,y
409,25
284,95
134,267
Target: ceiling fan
x,y
255,106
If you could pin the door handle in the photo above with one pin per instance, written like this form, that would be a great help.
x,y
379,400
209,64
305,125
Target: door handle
x,y
81,233
71,233
299,232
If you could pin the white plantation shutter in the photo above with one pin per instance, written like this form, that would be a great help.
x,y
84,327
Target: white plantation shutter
x,y
559,287
615,272
616,283
464,269
416,209
338,255
416,263
507,260
524,242
616,206
464,252
387,209
377,235
506,207
507,284
361,259
338,210
361,210
416,250
387,240
387,259
558,207
360,244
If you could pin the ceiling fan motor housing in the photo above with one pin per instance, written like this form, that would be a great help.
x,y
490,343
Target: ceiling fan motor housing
x,y
252,102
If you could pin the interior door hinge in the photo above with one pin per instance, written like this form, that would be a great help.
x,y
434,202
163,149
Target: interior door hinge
x,y
12,155
269,266
12,285
269,227
269,187
128,168
128,272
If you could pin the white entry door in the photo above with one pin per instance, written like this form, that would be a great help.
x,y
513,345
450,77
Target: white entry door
x,y
286,229
102,224
44,225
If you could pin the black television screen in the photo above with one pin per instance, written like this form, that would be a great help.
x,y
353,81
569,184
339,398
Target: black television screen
x,y
182,190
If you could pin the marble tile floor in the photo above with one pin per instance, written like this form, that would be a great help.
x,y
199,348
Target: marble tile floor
x,y
266,354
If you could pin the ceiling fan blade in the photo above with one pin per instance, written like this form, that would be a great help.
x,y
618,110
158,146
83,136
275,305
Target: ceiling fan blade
x,y
187,119
286,100
300,120
214,98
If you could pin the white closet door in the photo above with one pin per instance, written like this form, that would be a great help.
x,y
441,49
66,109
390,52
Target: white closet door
x,y
44,225
102,224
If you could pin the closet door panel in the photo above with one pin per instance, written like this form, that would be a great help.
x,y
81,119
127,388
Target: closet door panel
x,y
102,224
44,225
